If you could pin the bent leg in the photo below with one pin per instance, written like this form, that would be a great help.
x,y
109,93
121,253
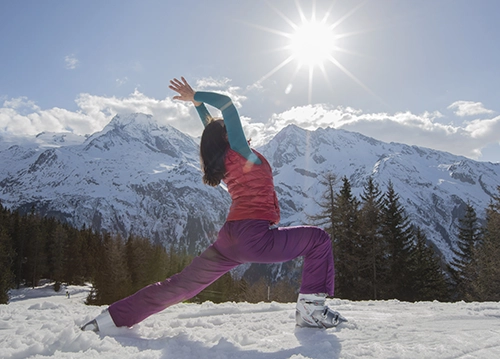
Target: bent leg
x,y
315,245
202,272
253,241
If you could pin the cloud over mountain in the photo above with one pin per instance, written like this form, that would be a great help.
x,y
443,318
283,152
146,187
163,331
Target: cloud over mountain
x,y
21,116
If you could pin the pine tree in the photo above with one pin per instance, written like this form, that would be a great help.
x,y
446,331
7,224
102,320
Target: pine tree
x,y
346,243
217,292
36,258
18,236
426,277
91,251
339,217
371,242
328,204
74,256
177,261
6,256
137,253
258,291
486,286
157,266
283,291
462,265
241,289
111,281
397,235
56,255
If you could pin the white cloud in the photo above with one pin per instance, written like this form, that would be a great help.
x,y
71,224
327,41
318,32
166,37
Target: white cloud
x,y
21,116
403,127
469,108
71,62
486,130
178,114
212,83
20,104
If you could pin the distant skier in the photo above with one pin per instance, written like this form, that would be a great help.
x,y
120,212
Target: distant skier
x,y
249,234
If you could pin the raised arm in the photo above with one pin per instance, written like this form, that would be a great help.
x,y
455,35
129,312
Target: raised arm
x,y
235,134
204,114
186,93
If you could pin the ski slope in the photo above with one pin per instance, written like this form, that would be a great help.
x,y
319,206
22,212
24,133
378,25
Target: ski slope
x,y
40,323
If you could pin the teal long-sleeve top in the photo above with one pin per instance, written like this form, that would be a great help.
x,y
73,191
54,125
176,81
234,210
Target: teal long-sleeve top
x,y
235,134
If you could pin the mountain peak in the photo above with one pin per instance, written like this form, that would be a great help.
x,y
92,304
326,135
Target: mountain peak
x,y
136,120
141,131
132,125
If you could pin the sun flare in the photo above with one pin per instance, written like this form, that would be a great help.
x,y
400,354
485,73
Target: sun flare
x,y
312,44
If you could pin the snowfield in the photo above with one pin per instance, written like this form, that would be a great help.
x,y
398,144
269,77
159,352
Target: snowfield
x,y
40,323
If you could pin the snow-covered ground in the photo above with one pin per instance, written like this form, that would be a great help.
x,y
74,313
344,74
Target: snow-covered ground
x,y
40,323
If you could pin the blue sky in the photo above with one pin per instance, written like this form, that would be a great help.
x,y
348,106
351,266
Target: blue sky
x,y
417,72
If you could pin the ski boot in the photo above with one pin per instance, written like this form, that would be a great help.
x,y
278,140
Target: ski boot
x,y
102,321
313,313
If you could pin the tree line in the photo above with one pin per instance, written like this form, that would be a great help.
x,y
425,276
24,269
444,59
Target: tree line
x,y
379,254
34,248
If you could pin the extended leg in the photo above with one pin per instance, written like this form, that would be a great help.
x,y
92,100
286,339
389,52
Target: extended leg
x,y
202,272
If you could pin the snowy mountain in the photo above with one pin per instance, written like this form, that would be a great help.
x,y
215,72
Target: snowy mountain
x,y
132,177
137,177
434,186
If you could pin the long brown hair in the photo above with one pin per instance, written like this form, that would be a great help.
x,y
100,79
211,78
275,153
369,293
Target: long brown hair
x,y
213,147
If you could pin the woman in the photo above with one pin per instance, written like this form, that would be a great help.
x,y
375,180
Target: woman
x,y
249,234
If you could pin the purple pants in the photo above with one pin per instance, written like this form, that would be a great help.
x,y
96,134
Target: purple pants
x,y
238,242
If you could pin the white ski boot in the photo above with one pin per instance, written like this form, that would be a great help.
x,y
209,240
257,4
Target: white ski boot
x,y
313,313
100,323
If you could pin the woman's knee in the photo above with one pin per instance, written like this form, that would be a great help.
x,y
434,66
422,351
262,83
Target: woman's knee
x,y
323,236
324,241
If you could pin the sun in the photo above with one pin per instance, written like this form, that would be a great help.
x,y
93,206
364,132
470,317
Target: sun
x,y
312,44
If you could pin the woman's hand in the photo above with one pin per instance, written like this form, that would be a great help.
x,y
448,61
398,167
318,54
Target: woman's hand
x,y
186,93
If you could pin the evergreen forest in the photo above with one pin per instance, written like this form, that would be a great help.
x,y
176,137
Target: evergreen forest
x,y
379,254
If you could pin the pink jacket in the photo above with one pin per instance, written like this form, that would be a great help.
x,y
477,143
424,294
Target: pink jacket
x,y
251,189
